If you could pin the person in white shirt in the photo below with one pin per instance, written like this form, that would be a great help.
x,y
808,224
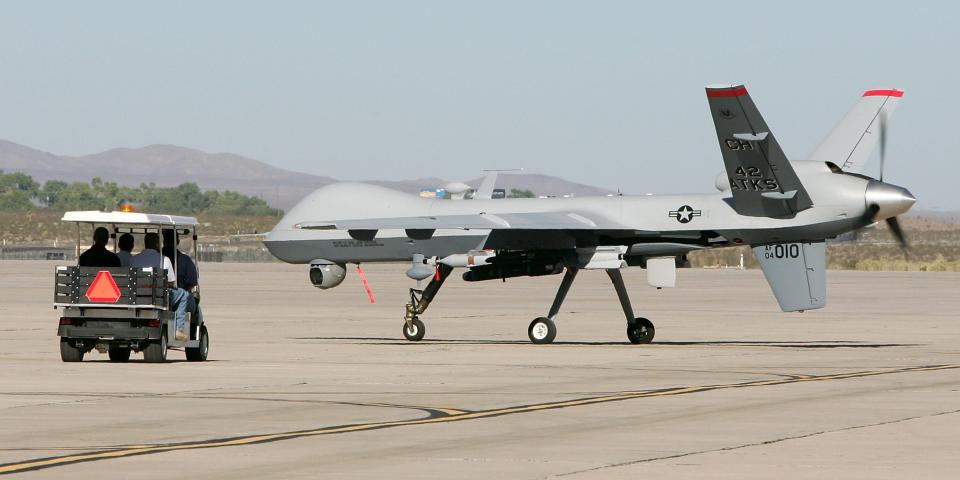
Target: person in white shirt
x,y
151,257
125,242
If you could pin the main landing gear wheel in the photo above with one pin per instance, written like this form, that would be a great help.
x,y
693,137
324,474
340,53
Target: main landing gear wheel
x,y
542,330
415,331
641,331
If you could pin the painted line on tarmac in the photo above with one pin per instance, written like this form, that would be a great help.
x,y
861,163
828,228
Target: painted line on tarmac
x,y
452,416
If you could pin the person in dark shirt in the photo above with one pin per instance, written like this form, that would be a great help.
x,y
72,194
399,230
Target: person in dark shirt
x,y
187,275
98,255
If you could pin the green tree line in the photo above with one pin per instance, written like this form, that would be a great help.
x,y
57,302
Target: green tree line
x,y
521,193
20,192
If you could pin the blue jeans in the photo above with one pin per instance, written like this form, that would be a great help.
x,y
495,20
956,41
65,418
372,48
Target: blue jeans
x,y
180,300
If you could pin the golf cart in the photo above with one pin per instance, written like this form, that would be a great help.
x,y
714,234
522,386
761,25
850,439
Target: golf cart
x,y
116,310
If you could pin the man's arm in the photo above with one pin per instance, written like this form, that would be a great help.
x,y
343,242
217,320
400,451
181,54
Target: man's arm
x,y
171,276
190,275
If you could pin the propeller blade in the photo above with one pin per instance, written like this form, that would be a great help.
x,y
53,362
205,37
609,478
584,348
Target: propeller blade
x,y
883,141
897,232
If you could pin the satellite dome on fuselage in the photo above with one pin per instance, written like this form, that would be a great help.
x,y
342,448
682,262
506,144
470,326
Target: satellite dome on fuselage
x,y
351,200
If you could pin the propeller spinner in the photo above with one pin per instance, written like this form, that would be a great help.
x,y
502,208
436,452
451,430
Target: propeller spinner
x,y
885,201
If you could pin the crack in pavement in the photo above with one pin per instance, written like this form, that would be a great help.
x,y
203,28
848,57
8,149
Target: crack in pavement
x,y
753,444
439,417
87,397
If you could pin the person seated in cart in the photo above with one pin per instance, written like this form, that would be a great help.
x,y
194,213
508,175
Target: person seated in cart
x,y
98,255
187,275
179,298
125,243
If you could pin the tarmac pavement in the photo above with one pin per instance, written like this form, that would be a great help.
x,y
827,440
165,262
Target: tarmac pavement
x,y
304,383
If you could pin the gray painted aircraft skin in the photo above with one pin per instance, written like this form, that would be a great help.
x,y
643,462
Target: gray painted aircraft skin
x,y
783,209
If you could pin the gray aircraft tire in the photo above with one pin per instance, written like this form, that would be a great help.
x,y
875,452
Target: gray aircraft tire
x,y
542,330
199,354
119,354
641,332
416,333
156,351
69,353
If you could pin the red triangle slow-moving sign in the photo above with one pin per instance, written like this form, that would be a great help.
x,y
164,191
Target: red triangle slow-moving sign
x,y
103,288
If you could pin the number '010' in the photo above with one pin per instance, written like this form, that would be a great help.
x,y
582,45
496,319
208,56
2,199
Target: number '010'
x,y
783,251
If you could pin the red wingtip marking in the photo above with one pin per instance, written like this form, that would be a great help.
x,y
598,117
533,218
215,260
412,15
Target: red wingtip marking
x,y
883,93
726,92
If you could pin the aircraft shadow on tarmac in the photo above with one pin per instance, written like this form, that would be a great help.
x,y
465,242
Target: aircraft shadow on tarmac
x,y
718,343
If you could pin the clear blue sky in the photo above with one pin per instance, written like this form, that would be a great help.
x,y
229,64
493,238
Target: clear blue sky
x,y
607,93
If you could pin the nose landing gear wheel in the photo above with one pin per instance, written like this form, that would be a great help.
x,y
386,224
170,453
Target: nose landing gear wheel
x,y
641,331
415,331
542,330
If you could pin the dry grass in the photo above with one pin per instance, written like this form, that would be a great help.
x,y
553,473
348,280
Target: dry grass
x,y
935,242
43,227
852,256
934,247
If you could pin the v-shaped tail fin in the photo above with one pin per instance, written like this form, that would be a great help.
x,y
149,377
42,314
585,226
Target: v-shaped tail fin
x,y
851,141
762,181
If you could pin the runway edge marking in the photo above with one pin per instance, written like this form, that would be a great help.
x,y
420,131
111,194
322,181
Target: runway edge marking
x,y
63,460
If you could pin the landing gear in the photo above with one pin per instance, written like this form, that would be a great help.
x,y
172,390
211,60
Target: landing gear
x,y
413,328
639,329
542,330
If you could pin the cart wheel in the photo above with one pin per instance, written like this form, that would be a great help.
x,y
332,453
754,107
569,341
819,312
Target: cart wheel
x,y
69,353
119,354
156,351
199,354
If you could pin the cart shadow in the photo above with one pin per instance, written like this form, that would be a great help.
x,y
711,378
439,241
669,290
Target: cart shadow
x,y
142,361
719,343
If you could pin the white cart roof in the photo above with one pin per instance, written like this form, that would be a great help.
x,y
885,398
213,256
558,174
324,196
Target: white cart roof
x,y
137,218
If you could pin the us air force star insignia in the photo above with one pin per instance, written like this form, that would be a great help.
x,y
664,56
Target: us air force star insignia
x,y
684,214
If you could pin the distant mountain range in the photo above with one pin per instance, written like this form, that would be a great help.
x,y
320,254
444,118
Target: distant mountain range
x,y
171,165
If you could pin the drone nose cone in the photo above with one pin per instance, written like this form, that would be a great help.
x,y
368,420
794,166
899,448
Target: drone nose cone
x,y
888,200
